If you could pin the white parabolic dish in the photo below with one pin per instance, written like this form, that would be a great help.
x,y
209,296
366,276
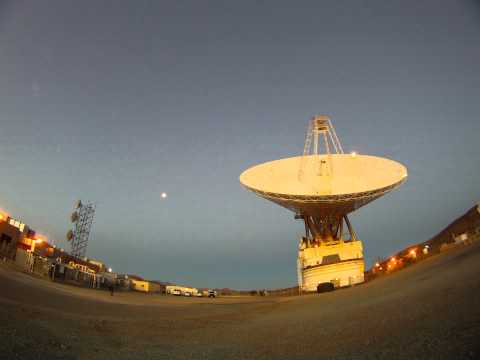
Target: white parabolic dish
x,y
351,182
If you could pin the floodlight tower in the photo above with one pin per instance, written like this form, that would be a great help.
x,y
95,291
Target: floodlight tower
x,y
82,219
321,189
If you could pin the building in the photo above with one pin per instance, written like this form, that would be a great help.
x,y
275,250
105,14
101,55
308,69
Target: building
x,y
17,240
99,264
161,285
33,253
145,286
10,236
338,262
61,256
124,282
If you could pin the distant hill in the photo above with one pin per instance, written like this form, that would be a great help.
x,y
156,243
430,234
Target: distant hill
x,y
468,222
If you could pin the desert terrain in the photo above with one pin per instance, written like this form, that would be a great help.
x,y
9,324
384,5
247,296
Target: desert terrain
x,y
427,311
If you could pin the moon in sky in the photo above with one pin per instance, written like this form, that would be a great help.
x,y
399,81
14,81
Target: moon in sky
x,y
164,195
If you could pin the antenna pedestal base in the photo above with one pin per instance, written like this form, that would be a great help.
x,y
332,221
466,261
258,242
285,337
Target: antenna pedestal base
x,y
338,262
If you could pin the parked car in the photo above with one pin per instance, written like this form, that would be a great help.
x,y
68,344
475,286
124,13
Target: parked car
x,y
176,292
199,294
187,293
212,293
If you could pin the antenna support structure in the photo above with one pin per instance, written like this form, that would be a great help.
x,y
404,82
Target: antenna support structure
x,y
82,220
325,255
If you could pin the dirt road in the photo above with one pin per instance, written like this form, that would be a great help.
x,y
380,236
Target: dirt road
x,y
428,311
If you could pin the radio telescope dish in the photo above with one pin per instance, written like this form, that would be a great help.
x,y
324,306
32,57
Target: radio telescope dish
x,y
354,180
322,189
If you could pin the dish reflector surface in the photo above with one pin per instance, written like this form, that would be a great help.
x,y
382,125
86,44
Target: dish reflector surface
x,y
329,184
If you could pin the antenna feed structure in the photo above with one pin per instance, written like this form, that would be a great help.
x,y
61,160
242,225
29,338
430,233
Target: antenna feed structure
x,y
325,227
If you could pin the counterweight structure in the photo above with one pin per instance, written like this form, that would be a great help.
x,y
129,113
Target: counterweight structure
x,y
321,189
82,220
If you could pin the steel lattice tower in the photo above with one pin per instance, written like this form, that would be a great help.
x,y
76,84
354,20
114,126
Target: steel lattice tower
x,y
82,219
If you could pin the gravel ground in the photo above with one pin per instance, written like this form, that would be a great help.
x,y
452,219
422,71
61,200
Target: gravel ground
x,y
427,311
